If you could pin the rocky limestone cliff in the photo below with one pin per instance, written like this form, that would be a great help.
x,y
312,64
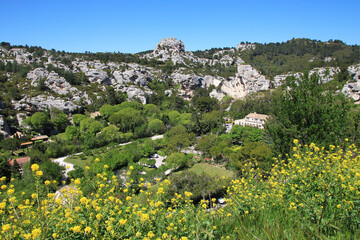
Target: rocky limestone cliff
x,y
42,102
352,87
134,78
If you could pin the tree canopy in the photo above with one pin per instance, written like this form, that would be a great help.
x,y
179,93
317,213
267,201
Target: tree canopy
x,y
308,113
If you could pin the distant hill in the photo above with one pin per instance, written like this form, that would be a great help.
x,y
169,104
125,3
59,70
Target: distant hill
x,y
300,55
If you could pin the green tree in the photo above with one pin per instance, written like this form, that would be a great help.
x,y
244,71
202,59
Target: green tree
x,y
176,160
205,143
257,152
308,113
110,134
59,120
90,125
38,122
174,117
155,126
127,119
5,169
72,132
77,118
150,110
177,138
10,144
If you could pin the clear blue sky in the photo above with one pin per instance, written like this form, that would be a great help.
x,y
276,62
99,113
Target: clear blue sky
x,y
138,25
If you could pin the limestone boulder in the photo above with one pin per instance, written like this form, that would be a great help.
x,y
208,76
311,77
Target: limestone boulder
x,y
99,76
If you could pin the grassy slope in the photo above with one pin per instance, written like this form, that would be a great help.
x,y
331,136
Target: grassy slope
x,y
211,170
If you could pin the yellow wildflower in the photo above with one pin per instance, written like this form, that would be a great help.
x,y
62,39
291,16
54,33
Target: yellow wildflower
x,y
36,233
6,227
34,167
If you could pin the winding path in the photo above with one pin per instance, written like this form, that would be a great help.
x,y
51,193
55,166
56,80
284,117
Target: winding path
x,y
69,166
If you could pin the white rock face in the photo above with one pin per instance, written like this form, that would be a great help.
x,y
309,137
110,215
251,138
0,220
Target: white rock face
x,y
325,74
171,44
4,128
42,102
171,49
354,70
21,55
137,76
21,117
279,79
352,87
99,76
59,84
252,79
53,81
37,74
245,46
188,83
135,93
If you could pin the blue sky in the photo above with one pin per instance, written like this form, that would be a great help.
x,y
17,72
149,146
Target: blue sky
x,y
138,25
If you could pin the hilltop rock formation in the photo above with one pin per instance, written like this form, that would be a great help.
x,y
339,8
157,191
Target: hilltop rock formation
x,y
171,49
188,71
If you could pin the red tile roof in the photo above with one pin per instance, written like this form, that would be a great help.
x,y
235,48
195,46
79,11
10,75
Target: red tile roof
x,y
21,161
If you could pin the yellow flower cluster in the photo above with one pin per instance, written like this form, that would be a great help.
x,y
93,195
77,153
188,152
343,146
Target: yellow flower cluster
x,y
314,185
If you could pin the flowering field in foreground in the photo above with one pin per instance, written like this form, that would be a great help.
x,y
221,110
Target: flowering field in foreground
x,y
312,194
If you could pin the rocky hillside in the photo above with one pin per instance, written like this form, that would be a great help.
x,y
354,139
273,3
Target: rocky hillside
x,y
35,79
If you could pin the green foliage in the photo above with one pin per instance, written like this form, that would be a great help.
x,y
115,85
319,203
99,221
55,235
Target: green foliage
x,y
37,156
77,118
38,122
127,119
154,126
5,169
252,154
72,132
177,138
78,172
52,171
205,143
110,134
90,125
10,144
151,110
307,113
294,55
59,120
261,102
176,160
246,134
202,186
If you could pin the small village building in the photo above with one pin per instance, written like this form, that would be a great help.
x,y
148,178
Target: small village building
x,y
20,161
95,114
26,144
40,138
253,120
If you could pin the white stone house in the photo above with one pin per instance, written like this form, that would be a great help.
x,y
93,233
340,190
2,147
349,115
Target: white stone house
x,y
253,120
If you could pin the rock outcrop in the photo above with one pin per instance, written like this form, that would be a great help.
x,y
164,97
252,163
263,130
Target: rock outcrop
x,y
98,76
52,80
352,87
42,102
171,49
4,128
